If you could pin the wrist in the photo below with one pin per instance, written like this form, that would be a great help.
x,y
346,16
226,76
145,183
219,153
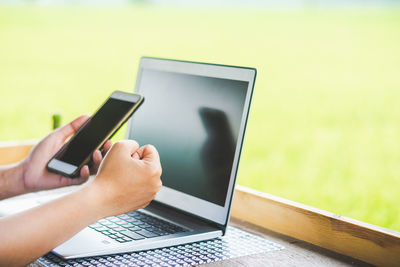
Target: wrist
x,y
94,201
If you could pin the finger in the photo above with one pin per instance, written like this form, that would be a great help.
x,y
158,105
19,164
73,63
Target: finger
x,y
149,153
107,146
66,181
140,152
70,128
80,180
125,146
97,157
136,156
85,173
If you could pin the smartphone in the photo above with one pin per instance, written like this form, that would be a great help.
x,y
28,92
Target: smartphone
x,y
78,151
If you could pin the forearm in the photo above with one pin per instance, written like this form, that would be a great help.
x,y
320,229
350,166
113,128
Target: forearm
x,y
31,234
11,180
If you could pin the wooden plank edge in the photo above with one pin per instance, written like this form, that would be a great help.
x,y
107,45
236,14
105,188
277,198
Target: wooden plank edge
x,y
14,151
363,241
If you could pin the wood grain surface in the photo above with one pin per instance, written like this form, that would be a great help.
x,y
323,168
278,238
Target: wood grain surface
x,y
296,252
369,243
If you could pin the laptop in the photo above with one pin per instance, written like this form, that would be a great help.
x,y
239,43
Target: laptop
x,y
195,114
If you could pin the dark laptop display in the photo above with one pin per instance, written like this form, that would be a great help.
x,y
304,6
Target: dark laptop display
x,y
194,122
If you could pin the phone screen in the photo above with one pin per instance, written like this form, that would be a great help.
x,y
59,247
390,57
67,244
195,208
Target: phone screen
x,y
91,135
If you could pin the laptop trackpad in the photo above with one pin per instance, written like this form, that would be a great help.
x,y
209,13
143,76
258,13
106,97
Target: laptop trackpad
x,y
84,242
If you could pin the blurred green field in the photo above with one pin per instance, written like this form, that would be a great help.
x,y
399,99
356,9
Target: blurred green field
x,y
324,127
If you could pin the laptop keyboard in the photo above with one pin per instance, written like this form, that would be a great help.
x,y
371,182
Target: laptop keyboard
x,y
135,225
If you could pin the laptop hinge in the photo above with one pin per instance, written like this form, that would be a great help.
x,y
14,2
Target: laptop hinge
x,y
158,205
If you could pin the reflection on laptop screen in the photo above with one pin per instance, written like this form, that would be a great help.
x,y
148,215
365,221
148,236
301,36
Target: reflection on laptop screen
x,y
194,123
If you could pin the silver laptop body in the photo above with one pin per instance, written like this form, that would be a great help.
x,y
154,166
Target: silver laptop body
x,y
195,114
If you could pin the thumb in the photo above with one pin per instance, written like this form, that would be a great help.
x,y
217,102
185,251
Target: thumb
x,y
70,128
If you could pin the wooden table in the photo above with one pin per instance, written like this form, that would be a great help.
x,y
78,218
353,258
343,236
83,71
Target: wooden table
x,y
296,252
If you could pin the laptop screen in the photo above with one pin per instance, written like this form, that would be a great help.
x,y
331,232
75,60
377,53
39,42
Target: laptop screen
x,y
195,122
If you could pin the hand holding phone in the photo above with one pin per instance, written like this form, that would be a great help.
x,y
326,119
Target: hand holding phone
x,y
94,133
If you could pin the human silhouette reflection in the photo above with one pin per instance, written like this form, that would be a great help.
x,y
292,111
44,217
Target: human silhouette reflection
x,y
217,152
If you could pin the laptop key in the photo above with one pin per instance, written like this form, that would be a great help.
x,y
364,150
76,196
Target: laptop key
x,y
113,226
158,231
146,233
127,225
95,225
132,235
100,229
150,228
135,228
163,233
137,215
143,225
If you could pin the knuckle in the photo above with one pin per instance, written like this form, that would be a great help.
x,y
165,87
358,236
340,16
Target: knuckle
x,y
156,169
118,144
160,171
134,143
159,186
156,187
126,144
154,172
151,147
